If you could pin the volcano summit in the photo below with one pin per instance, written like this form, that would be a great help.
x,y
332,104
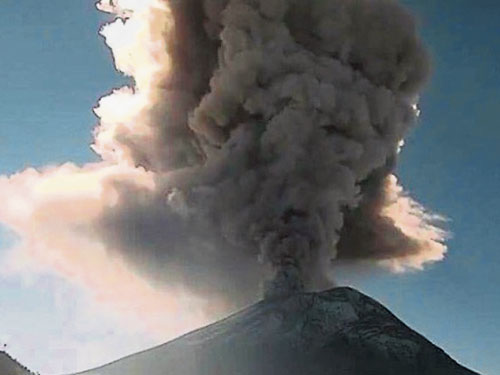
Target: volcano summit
x,y
336,332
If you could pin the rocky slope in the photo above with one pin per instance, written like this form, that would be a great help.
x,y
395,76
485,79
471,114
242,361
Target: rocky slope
x,y
336,332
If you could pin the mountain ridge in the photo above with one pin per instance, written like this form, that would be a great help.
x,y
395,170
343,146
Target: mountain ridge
x,y
9,366
306,333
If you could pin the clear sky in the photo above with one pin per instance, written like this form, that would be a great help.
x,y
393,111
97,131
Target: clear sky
x,y
54,67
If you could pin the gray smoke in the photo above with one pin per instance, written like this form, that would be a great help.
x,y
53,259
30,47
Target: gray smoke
x,y
272,135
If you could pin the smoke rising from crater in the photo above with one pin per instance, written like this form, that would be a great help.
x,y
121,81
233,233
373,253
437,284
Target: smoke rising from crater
x,y
257,144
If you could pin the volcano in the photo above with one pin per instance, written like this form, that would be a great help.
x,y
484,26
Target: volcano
x,y
336,332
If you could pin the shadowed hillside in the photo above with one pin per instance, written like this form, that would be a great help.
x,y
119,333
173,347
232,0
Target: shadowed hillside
x,y
9,366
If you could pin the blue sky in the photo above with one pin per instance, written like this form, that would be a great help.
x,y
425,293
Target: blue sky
x,y
54,67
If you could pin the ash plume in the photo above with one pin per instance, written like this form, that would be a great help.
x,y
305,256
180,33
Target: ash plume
x,y
257,144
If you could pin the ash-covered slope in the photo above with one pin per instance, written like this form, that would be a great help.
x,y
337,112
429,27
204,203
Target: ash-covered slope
x,y
9,366
336,332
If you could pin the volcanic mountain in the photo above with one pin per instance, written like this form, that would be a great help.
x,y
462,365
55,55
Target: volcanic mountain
x,y
335,332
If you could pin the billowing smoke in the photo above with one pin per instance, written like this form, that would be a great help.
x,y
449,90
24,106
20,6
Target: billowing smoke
x,y
256,145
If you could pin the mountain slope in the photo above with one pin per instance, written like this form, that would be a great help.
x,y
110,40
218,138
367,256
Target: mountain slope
x,y
9,366
336,332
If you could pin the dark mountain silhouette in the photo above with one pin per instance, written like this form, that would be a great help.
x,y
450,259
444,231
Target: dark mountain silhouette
x,y
9,366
